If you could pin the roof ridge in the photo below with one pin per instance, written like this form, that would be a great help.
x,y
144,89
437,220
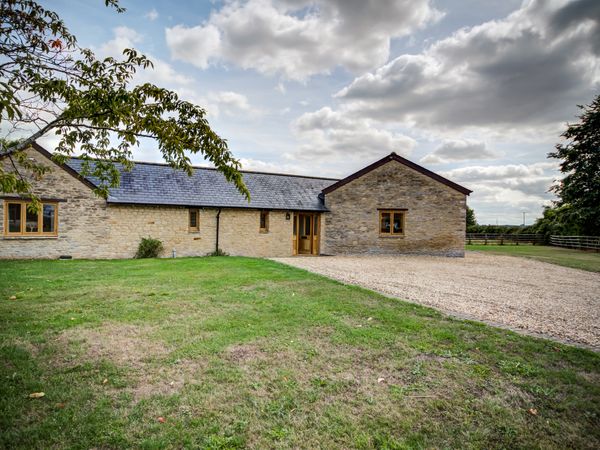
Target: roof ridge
x,y
151,163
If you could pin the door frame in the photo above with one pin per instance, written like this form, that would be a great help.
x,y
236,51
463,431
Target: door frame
x,y
315,222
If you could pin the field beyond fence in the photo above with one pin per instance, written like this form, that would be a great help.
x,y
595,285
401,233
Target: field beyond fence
x,y
577,242
501,239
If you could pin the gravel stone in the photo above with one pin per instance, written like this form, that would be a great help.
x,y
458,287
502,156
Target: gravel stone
x,y
520,294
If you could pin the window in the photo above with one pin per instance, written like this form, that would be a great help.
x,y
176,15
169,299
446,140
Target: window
x,y
264,221
19,220
391,222
194,221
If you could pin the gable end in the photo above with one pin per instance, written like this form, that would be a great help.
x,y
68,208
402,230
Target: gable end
x,y
394,157
38,148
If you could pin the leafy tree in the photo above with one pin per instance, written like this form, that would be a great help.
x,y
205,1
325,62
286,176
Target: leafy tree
x,y
471,220
557,220
578,207
48,84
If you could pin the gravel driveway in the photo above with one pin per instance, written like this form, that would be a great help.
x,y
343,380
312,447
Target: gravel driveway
x,y
516,293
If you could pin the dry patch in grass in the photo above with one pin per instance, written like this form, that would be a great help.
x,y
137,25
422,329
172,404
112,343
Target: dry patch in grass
x,y
122,344
130,347
243,353
168,380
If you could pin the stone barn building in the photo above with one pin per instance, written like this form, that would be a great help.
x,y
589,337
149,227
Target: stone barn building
x,y
393,206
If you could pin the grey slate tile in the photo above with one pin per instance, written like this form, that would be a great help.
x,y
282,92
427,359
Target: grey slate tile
x,y
159,184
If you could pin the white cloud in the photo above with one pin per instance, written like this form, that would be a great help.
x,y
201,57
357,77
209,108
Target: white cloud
x,y
161,74
229,102
504,191
500,172
337,144
221,103
300,38
529,69
196,45
151,15
123,37
264,166
453,150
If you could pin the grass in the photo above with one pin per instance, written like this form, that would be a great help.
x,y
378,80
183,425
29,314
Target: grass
x,y
230,352
577,259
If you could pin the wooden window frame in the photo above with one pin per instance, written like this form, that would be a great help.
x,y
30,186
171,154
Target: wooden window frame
x,y
392,212
264,229
40,221
195,229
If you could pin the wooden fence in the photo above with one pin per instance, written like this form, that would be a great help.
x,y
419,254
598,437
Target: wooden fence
x,y
579,242
501,239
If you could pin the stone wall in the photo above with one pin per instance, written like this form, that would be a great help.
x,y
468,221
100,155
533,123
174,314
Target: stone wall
x,y
82,218
89,228
128,224
239,232
434,220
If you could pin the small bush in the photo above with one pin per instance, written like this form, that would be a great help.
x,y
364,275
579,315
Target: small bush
x,y
149,248
217,252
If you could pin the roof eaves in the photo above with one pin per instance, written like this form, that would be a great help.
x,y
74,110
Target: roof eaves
x,y
114,201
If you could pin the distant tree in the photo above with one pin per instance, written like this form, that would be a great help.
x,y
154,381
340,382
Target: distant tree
x,y
48,84
471,220
557,220
500,229
578,209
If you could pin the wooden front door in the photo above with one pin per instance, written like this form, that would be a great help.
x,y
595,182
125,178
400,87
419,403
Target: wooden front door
x,y
306,233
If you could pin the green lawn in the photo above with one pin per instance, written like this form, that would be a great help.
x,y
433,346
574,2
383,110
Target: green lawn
x,y
236,352
576,259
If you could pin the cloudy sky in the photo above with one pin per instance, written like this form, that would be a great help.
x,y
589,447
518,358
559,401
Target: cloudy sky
x,y
477,90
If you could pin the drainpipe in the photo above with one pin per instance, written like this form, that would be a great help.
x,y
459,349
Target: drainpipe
x,y
217,240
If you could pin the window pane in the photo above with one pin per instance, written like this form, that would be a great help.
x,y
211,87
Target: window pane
x,y
307,225
193,219
385,222
14,217
398,223
49,212
263,219
295,224
31,221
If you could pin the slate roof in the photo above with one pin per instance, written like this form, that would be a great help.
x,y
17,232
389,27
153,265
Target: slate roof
x,y
159,184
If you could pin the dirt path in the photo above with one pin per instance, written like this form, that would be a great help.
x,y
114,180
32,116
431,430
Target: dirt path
x,y
516,293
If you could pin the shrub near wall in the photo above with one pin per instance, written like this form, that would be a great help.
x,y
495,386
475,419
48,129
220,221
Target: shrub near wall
x,y
149,248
